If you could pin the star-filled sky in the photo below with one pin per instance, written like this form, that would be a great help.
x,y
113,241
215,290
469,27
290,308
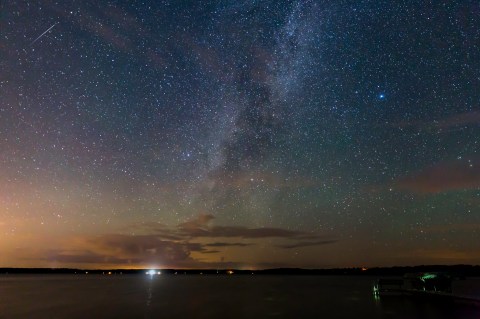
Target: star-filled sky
x,y
239,133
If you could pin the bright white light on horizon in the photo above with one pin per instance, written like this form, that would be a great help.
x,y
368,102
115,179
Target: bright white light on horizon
x,y
152,272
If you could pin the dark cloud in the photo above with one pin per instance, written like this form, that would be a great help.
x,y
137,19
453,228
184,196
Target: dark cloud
x,y
228,244
450,228
444,176
199,227
201,221
467,118
161,231
446,123
128,249
307,244
211,251
154,248
243,232
131,245
116,27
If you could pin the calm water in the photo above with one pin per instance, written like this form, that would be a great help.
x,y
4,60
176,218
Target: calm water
x,y
137,296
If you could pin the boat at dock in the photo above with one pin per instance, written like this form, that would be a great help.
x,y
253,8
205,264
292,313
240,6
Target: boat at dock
x,y
430,284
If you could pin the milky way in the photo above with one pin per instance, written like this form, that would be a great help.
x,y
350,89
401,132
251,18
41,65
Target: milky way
x,y
239,133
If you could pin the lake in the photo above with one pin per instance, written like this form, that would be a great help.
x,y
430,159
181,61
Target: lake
x,y
236,296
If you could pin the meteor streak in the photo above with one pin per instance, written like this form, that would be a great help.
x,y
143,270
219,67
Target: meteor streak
x,y
41,35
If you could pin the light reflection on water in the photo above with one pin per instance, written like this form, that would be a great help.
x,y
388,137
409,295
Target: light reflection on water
x,y
137,296
149,293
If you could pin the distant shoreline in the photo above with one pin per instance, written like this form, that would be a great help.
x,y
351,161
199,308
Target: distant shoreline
x,y
455,270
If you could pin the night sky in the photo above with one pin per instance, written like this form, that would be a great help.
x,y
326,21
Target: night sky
x,y
239,133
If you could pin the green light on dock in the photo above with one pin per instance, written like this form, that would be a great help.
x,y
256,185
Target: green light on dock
x,y
428,276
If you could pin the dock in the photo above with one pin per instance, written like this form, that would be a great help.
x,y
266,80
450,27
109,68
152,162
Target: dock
x,y
436,285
